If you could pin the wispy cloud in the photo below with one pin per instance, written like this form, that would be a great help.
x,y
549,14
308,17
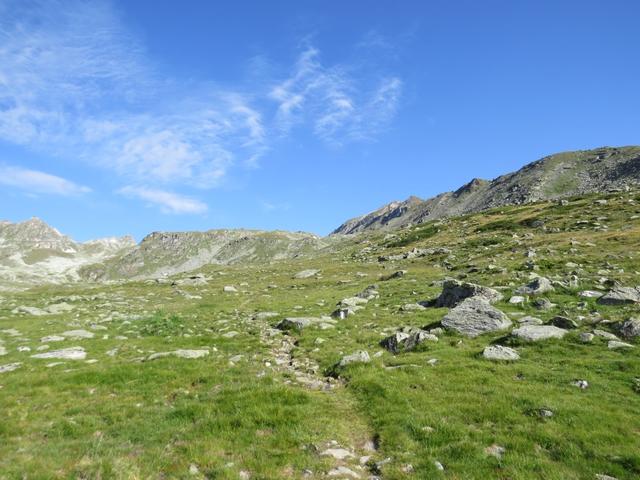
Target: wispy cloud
x,y
76,84
339,106
73,81
168,202
33,181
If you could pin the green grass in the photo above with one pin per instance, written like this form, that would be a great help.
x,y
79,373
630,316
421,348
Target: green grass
x,y
128,418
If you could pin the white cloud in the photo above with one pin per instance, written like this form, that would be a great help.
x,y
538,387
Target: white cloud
x,y
338,104
76,84
73,82
33,181
168,202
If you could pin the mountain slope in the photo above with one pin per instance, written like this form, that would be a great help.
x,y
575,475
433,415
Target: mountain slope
x,y
167,253
556,176
34,252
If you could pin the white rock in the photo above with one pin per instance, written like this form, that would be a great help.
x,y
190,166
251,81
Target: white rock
x,y
71,353
338,453
534,333
498,352
10,367
77,334
190,354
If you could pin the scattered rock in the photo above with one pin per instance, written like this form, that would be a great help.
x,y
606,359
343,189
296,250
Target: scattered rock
x,y
586,337
298,323
358,357
306,274
564,322
615,345
182,353
620,296
71,353
77,334
528,320
534,333
342,471
338,453
495,451
582,384
407,339
589,294
516,300
475,316
604,334
10,367
498,352
229,289
536,287
631,328
454,292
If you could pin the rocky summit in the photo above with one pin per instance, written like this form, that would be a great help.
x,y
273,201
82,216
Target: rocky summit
x,y
502,343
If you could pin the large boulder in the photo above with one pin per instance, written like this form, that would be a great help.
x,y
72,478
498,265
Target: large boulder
x,y
534,333
475,316
454,292
620,296
631,328
536,287
407,339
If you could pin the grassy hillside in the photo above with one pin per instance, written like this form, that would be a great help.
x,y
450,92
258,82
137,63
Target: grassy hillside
x,y
263,404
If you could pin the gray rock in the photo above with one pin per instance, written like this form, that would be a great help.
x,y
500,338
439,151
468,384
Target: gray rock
x,y
581,384
9,367
406,340
620,296
534,333
338,453
71,353
528,320
516,300
52,338
615,345
631,328
181,353
498,352
495,451
589,294
297,323
586,337
475,316
358,357
536,287
77,334
564,322
454,292
229,289
543,304
604,334
306,274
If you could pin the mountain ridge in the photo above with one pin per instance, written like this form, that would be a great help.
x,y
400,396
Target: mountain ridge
x,y
552,177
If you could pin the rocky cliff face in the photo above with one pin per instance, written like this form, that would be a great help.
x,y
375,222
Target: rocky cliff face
x,y
556,176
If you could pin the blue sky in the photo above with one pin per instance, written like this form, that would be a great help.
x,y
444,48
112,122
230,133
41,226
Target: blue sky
x,y
135,116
